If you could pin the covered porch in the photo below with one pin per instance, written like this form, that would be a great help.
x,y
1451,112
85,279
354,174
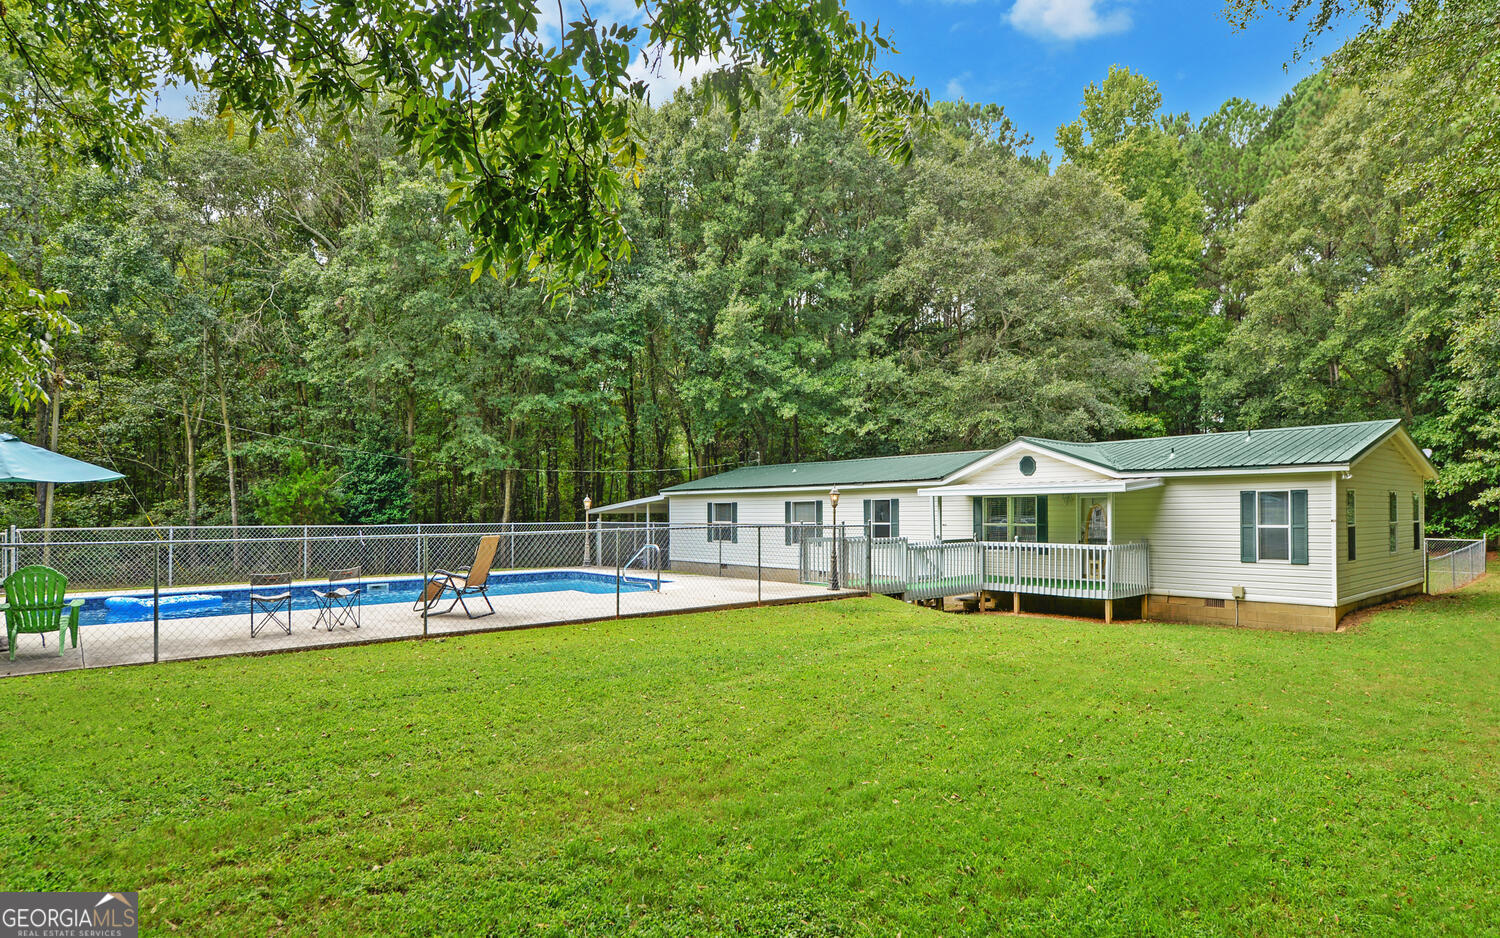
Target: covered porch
x,y
1047,538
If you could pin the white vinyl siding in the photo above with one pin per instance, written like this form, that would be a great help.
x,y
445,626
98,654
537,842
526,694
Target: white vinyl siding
x,y
1048,469
1193,528
1376,568
769,508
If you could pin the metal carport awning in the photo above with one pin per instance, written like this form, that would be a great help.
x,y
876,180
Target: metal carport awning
x,y
633,506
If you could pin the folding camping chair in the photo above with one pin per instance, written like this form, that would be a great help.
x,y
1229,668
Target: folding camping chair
x,y
474,581
271,602
339,603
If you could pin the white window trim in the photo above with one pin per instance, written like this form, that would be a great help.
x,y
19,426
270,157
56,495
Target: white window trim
x,y
1010,523
1393,519
1416,522
1351,508
1288,526
892,502
715,525
799,529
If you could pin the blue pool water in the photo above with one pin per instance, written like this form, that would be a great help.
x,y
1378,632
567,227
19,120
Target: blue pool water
x,y
376,592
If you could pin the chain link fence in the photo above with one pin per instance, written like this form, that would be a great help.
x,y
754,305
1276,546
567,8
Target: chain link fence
x,y
155,594
1453,562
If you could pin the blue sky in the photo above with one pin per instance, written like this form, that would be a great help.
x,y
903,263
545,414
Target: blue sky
x,y
1035,56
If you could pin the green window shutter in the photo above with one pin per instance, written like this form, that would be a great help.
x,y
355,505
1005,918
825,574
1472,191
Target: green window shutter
x,y
895,517
869,531
789,537
734,518
1041,519
1247,527
978,517
1299,526
710,520
818,514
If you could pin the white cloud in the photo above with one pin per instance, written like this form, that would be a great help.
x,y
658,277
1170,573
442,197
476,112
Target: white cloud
x,y
663,78
955,89
1069,19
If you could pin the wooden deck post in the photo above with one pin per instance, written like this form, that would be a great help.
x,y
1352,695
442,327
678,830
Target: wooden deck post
x,y
1145,606
1109,611
1016,601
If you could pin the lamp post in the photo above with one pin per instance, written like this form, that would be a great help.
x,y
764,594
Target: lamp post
x,y
587,504
833,552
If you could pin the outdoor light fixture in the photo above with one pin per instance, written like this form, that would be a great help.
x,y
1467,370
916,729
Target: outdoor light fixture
x,y
587,504
833,550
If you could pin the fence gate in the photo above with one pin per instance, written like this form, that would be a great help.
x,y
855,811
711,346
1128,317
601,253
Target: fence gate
x,y
1453,562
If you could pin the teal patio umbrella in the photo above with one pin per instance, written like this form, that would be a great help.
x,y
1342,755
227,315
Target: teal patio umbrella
x,y
22,462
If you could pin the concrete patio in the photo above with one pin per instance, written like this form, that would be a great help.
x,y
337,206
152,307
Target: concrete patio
x,y
108,644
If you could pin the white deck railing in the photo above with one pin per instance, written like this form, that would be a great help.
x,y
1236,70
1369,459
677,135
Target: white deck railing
x,y
930,569
1083,571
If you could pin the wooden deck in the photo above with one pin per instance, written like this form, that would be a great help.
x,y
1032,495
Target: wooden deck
x,y
931,570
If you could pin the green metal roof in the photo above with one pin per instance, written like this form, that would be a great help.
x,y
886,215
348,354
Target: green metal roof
x,y
873,470
1328,444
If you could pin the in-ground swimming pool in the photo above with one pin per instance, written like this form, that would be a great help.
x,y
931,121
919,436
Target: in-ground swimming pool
x,y
381,591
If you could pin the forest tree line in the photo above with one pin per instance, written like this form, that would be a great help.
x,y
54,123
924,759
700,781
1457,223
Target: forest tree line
x,y
286,332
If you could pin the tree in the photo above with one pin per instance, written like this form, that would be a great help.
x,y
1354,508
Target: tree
x,y
1442,58
1011,293
531,129
1121,136
301,493
1349,314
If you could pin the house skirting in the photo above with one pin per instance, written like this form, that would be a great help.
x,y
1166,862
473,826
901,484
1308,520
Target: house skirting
x,y
1249,614
1259,614
1364,602
745,571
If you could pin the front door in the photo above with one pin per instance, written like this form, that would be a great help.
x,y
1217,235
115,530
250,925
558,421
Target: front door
x,y
1094,526
1095,513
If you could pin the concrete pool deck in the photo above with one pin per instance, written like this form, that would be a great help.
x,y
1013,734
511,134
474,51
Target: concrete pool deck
x,y
116,643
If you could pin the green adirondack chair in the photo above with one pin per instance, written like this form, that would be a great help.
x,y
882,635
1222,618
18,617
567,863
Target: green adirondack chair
x,y
34,606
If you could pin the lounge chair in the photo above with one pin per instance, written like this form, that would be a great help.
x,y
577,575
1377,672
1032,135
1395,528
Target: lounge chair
x,y
34,605
271,595
474,581
340,602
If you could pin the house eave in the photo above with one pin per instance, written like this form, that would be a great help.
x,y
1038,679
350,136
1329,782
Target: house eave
x,y
1068,487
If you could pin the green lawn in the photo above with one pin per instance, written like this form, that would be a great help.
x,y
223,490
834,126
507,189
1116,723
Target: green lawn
x,y
850,768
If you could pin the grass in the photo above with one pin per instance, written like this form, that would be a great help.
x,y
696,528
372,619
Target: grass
x,y
850,768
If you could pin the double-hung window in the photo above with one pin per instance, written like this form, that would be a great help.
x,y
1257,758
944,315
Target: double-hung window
x,y
1394,524
1349,520
1010,518
1273,526
803,520
881,514
721,520
1416,521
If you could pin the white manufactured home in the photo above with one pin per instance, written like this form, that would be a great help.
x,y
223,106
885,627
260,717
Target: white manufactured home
x,y
1279,528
